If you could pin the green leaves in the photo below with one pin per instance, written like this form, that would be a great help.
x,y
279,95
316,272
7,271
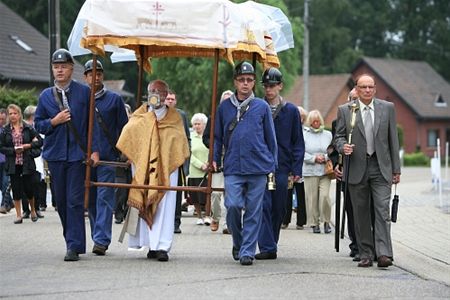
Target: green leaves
x,y
23,98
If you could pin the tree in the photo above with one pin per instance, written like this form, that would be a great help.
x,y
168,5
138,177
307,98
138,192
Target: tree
x,y
343,31
421,31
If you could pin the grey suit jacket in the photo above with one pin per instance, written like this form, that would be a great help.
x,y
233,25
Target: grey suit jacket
x,y
385,135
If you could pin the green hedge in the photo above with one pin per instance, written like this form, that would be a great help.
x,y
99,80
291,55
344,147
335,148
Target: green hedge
x,y
416,159
23,98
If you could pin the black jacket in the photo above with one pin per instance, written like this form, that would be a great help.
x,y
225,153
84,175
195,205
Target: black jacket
x,y
29,136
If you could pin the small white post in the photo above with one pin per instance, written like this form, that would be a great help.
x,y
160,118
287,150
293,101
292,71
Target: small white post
x,y
446,162
439,172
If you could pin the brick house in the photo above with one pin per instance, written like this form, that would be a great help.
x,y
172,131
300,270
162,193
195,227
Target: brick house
x,y
421,97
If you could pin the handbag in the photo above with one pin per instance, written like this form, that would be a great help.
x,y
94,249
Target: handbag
x,y
329,170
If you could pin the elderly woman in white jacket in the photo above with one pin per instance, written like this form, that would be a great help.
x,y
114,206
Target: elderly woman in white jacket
x,y
317,184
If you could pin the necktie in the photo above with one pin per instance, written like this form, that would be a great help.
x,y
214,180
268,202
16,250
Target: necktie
x,y
368,128
65,101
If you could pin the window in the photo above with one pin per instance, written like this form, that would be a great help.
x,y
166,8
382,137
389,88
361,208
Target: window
x,y
432,136
21,43
440,102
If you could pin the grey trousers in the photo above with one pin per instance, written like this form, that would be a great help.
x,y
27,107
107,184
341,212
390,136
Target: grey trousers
x,y
373,187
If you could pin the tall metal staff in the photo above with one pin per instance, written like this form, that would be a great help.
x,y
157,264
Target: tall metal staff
x,y
354,108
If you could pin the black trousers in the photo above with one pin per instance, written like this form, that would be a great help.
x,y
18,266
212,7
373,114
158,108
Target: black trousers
x,y
301,205
121,194
350,224
178,199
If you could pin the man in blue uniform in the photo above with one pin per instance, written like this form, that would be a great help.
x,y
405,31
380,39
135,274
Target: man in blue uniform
x,y
111,116
62,116
291,150
244,127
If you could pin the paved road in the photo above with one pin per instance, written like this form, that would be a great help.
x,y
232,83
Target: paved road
x,y
201,266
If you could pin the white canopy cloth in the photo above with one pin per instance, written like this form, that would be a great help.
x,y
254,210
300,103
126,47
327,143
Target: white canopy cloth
x,y
173,28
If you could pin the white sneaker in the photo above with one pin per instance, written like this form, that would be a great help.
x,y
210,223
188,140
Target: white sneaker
x,y
207,221
200,221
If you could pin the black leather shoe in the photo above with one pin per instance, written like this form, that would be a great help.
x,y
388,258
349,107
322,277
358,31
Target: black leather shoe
x,y
246,261
353,252
34,218
357,257
266,255
365,263
99,249
118,221
235,253
26,215
384,262
177,230
151,254
162,255
39,214
18,221
316,229
71,255
326,228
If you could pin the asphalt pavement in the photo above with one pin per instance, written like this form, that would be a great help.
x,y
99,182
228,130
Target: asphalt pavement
x,y
201,266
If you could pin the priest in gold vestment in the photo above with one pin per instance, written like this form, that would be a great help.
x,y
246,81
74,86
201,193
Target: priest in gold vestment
x,y
155,142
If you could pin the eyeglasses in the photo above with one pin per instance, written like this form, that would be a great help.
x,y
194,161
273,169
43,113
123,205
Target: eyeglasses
x,y
363,87
244,79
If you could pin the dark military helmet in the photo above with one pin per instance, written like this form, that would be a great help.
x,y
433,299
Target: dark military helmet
x,y
88,66
244,68
272,76
62,56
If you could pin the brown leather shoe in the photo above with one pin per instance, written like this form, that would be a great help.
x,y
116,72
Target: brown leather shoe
x,y
214,226
384,262
365,263
99,249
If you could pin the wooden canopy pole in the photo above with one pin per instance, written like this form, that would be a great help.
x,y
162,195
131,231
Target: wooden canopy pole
x,y
212,123
87,181
140,76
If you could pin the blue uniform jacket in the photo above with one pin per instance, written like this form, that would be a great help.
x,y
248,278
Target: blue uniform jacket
x,y
291,146
252,148
59,142
114,116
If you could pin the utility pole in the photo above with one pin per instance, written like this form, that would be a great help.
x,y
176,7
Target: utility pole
x,y
54,31
306,58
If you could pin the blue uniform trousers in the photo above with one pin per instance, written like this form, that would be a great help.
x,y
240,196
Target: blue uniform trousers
x,y
274,209
244,192
68,181
101,205
7,201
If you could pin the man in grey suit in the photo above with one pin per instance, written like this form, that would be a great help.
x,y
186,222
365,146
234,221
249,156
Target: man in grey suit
x,y
374,165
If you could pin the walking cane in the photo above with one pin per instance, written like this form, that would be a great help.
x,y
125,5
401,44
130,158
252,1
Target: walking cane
x,y
338,207
354,108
